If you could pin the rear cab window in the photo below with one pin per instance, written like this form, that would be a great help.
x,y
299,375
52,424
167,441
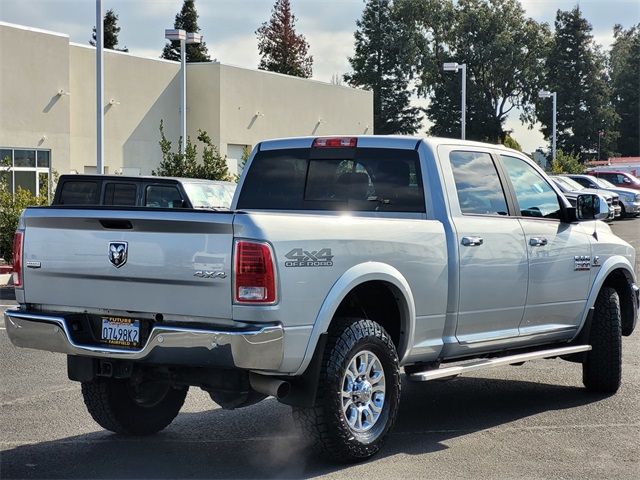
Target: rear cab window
x,y
120,194
79,192
163,196
334,179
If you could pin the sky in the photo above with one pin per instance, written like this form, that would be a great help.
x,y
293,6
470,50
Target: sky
x,y
229,29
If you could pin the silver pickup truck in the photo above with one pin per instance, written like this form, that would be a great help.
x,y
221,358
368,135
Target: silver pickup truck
x,y
342,262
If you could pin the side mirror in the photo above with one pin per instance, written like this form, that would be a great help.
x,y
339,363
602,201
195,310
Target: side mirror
x,y
591,207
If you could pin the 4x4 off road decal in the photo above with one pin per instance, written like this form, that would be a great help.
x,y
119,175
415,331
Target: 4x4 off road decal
x,y
303,258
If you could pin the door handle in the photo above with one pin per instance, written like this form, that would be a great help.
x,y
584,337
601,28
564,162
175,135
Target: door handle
x,y
472,241
537,241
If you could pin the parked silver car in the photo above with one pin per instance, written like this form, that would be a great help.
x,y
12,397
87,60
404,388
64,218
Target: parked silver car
x,y
571,189
629,199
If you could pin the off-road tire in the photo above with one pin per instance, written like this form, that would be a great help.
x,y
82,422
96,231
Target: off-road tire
x,y
325,422
602,366
111,405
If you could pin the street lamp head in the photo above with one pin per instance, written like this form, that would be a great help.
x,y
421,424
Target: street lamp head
x,y
175,34
194,38
451,67
544,94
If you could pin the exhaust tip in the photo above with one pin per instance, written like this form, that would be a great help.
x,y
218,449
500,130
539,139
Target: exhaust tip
x,y
266,385
283,390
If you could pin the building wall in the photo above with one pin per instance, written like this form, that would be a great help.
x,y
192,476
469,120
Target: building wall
x,y
203,100
240,107
256,105
138,93
237,107
34,67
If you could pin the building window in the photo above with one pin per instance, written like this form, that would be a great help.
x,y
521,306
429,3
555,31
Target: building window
x,y
25,168
236,157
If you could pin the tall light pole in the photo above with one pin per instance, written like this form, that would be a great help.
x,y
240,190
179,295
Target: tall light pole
x,y
184,38
547,94
600,134
99,90
454,67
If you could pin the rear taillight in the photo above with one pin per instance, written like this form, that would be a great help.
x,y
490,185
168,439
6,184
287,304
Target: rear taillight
x,y
254,273
335,142
17,259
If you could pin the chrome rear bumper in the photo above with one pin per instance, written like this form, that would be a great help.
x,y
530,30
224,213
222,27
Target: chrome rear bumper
x,y
259,348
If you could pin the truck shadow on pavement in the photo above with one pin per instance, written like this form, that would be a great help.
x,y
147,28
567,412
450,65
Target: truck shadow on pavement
x,y
261,441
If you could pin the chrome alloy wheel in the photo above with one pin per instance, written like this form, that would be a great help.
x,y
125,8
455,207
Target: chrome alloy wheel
x,y
363,389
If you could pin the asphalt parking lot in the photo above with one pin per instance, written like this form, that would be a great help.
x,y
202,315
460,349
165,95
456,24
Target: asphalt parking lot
x,y
532,421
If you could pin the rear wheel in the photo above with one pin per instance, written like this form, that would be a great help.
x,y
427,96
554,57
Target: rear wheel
x,y
602,367
358,393
121,407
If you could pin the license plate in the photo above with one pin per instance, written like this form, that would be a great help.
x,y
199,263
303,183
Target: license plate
x,y
123,332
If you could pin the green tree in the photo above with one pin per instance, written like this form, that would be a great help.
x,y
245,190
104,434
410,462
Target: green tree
x,y
175,164
382,64
246,153
575,70
566,163
511,142
281,49
624,67
111,31
11,207
503,52
187,20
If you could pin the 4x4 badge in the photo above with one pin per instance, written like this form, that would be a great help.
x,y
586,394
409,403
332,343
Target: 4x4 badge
x,y
305,258
118,253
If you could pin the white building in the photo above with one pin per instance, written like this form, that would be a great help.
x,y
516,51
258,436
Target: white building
x,y
48,117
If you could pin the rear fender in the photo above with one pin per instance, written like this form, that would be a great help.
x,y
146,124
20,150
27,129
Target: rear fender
x,y
356,275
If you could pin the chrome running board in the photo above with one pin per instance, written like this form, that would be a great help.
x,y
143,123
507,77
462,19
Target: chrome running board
x,y
494,362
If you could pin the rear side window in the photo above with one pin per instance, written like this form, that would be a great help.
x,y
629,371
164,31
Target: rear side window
x,y
122,194
79,193
364,179
478,184
584,182
163,196
612,177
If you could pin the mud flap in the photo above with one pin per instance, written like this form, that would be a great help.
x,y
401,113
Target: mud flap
x,y
305,387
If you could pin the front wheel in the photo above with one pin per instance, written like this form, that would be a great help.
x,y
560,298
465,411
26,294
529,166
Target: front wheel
x,y
602,367
128,409
358,392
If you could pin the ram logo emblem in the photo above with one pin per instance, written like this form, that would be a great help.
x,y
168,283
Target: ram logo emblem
x,y
118,252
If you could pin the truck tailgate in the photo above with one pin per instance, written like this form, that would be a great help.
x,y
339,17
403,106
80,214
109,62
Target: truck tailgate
x,y
170,262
